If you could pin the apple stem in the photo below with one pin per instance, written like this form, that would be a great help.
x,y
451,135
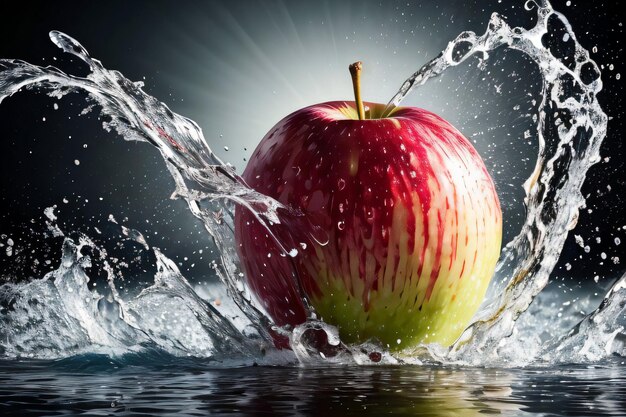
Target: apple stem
x,y
355,71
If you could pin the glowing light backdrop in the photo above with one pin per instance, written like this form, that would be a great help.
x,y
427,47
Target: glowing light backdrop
x,y
237,68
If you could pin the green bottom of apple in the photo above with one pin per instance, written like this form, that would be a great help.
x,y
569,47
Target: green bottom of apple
x,y
412,303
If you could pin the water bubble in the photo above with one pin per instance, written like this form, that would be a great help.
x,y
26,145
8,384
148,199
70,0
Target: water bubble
x,y
617,240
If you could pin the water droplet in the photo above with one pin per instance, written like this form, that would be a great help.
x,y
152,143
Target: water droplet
x,y
617,241
341,184
76,162
579,241
341,225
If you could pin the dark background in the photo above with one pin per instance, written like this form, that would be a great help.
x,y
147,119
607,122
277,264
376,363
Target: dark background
x,y
236,68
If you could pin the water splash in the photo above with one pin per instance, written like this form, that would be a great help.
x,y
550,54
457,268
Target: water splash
x,y
201,178
599,335
570,129
59,315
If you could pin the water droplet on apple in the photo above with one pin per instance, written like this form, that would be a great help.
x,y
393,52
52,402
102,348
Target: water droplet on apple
x,y
341,225
341,183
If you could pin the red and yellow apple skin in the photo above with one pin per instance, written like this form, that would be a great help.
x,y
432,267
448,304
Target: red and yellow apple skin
x,y
412,216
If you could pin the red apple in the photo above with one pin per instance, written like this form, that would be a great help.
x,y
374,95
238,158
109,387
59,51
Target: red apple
x,y
412,215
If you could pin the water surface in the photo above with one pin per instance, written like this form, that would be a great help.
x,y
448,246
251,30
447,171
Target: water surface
x,y
100,385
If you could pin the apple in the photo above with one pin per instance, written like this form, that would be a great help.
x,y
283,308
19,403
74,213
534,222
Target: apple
x,y
412,216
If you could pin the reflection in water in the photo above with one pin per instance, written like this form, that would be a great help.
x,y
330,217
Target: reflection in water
x,y
101,385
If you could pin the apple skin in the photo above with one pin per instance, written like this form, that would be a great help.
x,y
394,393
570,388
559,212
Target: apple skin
x,y
412,216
